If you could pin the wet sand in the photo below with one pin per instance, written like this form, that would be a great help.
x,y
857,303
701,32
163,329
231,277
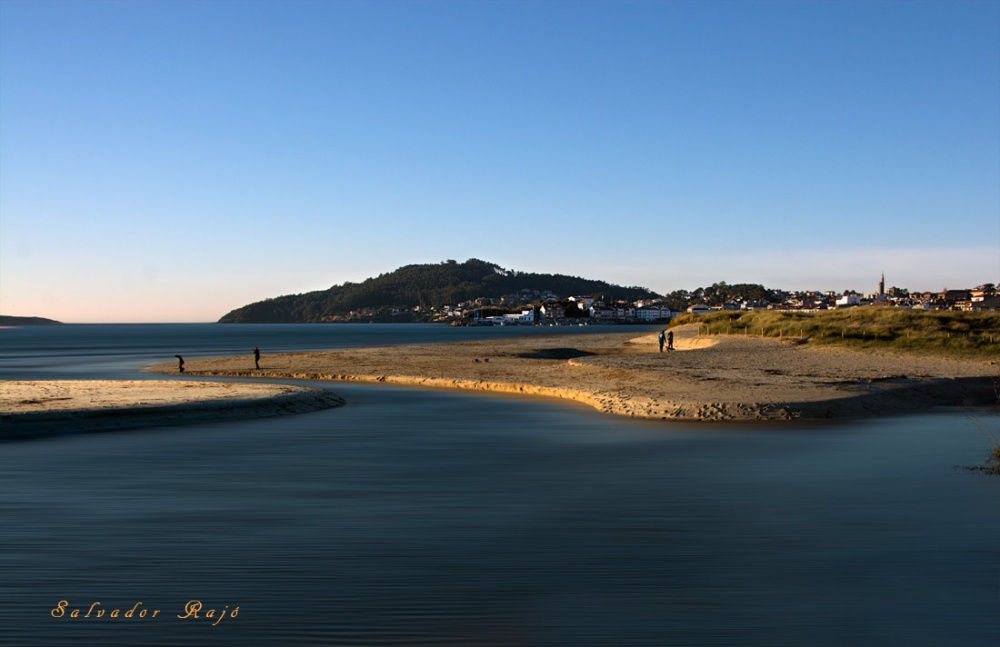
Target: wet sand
x,y
39,408
706,378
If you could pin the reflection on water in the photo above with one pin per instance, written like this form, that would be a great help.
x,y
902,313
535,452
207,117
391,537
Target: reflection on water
x,y
417,517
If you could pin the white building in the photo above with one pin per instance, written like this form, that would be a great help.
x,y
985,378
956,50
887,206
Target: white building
x,y
653,313
624,312
526,317
849,300
602,313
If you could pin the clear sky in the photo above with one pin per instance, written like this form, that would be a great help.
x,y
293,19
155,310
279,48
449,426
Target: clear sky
x,y
173,160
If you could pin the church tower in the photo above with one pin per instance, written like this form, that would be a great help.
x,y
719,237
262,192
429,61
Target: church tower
x,y
881,286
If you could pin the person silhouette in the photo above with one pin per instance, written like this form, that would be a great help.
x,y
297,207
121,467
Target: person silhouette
x,y
256,358
180,363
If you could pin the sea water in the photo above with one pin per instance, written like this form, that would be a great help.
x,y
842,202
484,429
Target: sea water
x,y
424,517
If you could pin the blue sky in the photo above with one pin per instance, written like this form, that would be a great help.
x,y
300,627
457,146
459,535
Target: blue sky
x,y
170,161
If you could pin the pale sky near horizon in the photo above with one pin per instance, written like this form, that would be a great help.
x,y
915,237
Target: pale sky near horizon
x,y
166,161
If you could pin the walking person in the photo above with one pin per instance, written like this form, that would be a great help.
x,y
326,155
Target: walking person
x,y
660,338
180,363
670,340
256,358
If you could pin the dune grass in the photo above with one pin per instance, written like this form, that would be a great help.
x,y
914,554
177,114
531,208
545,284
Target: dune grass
x,y
946,332
975,335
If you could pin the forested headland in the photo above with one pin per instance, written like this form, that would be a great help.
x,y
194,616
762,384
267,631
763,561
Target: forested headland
x,y
418,292
8,320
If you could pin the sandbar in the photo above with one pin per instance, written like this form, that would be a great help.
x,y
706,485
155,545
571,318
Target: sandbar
x,y
40,408
719,378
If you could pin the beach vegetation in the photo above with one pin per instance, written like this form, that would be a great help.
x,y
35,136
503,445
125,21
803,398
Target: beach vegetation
x,y
947,332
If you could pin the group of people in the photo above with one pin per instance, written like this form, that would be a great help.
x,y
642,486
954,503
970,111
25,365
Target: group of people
x,y
668,337
256,360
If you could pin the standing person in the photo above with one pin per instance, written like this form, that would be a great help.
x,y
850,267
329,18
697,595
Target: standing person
x,y
660,339
256,358
670,340
180,363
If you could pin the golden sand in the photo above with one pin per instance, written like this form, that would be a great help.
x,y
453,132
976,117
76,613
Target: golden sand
x,y
34,408
705,378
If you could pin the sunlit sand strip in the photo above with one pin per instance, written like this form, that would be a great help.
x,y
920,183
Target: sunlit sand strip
x,y
38,408
705,379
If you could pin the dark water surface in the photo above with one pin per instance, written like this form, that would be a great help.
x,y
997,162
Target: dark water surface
x,y
418,517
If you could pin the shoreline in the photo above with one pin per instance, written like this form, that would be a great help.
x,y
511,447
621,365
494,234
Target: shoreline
x,y
715,379
31,409
704,379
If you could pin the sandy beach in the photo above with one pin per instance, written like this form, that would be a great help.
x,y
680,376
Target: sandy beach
x,y
38,408
716,378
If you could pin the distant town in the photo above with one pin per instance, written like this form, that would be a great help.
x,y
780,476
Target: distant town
x,y
532,307
478,292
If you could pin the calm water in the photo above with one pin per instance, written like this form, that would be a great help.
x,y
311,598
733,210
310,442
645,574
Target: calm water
x,y
415,517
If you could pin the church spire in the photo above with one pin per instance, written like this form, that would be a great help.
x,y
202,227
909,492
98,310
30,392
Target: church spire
x,y
881,285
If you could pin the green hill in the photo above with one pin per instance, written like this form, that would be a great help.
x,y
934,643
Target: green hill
x,y
427,286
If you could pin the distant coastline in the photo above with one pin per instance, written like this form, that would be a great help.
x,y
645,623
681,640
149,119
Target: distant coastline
x,y
478,292
8,320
